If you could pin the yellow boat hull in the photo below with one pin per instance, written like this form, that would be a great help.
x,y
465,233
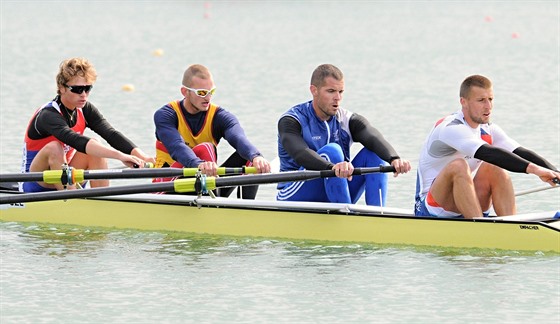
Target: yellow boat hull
x,y
292,221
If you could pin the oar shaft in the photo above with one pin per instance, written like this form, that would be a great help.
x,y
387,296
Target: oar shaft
x,y
87,193
185,185
78,175
528,191
295,176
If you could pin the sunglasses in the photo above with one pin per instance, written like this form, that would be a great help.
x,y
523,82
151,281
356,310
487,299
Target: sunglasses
x,y
79,89
202,92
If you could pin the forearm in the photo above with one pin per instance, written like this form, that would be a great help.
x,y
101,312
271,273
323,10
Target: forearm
x,y
73,139
363,132
120,142
103,128
185,155
142,155
310,160
534,158
236,137
93,147
292,141
502,158
113,137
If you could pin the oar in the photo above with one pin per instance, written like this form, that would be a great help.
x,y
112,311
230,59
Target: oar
x,y
199,184
528,191
78,175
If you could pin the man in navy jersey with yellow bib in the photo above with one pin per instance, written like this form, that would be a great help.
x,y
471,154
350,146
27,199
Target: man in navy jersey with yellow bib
x,y
188,131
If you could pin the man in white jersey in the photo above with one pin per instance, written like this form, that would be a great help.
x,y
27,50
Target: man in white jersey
x,y
463,163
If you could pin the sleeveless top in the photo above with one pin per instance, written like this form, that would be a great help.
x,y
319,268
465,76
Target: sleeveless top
x,y
32,146
191,140
317,133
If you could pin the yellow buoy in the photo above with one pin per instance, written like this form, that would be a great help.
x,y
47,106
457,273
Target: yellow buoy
x,y
158,52
128,87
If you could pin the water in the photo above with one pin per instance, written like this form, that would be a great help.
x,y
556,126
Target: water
x,y
403,63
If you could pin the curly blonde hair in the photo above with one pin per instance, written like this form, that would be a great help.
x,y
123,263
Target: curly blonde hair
x,y
72,67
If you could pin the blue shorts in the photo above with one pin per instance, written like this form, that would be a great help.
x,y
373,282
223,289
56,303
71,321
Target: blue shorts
x,y
340,190
35,187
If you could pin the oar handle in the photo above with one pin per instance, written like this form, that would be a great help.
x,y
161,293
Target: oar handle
x,y
361,171
381,168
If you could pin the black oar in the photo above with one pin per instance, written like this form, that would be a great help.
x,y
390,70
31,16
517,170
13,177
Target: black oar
x,y
71,176
199,184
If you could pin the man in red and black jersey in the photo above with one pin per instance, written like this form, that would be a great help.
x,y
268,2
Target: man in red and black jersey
x,y
55,134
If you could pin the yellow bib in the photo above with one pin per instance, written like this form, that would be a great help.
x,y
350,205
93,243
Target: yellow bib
x,y
191,140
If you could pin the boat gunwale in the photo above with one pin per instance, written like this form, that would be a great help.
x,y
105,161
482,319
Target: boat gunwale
x,y
339,209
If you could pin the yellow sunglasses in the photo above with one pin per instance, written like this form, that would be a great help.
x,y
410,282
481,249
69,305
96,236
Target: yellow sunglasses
x,y
202,92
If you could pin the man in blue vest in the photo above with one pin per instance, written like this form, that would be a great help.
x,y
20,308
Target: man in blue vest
x,y
318,134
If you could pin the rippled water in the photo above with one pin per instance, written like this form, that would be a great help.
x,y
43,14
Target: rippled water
x,y
149,277
403,63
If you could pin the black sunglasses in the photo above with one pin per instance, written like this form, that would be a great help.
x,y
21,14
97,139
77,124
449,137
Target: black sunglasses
x,y
79,89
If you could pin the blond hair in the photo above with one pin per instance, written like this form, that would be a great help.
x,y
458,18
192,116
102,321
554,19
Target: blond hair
x,y
195,70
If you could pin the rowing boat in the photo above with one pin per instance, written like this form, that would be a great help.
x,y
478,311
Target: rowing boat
x,y
307,221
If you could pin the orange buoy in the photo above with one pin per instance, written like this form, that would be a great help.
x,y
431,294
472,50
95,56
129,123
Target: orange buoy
x,y
128,87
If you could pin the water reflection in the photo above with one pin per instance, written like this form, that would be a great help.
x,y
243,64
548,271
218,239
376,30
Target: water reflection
x,y
61,241
54,241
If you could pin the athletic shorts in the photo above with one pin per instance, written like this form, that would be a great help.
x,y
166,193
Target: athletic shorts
x,y
35,187
424,209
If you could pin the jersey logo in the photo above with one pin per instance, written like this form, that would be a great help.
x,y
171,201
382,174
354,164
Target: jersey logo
x,y
485,136
335,135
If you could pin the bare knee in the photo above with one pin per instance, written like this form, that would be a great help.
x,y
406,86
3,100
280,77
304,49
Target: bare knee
x,y
498,174
53,149
459,169
88,162
494,187
453,188
489,175
51,156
